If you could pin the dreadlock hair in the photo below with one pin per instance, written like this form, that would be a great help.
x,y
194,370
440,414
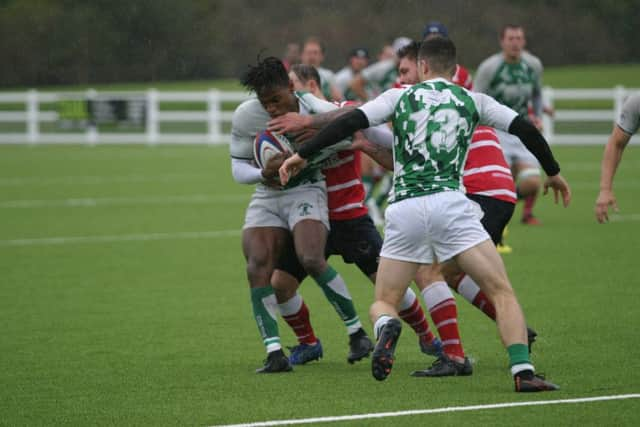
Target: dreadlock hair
x,y
268,73
306,73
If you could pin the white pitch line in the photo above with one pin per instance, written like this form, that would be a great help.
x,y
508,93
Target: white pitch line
x,y
120,238
431,411
97,179
624,218
90,202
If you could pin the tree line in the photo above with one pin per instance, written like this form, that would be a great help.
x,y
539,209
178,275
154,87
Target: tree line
x,y
45,42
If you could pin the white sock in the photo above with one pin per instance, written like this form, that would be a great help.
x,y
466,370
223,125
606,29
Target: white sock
x,y
407,300
468,288
521,367
292,306
382,320
435,293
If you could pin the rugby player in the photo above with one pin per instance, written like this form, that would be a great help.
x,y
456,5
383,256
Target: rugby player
x,y
299,208
313,54
429,218
627,124
358,60
514,78
461,76
353,236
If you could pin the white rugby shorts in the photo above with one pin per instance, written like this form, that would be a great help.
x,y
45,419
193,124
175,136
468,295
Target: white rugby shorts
x,y
432,228
514,150
285,208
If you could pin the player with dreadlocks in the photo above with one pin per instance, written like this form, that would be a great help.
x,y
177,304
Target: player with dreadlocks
x,y
276,215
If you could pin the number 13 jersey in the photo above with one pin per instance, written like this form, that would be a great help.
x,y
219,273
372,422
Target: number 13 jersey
x,y
432,126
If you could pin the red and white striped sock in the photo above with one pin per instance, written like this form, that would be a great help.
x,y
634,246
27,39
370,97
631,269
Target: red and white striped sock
x,y
527,209
444,313
296,314
472,293
411,312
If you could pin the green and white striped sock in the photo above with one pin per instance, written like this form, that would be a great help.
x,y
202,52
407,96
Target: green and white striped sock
x,y
335,289
264,305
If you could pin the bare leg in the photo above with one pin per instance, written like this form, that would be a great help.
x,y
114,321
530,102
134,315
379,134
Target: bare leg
x,y
483,264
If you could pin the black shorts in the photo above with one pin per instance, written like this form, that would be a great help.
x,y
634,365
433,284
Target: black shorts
x,y
497,214
356,240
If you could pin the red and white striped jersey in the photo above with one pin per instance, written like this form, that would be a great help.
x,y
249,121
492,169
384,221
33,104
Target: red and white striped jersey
x,y
462,77
345,192
486,172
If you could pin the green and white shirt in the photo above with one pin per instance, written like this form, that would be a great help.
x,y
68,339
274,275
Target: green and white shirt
x,y
250,118
512,84
327,78
381,75
432,125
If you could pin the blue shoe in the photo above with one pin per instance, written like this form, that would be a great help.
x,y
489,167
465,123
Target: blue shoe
x,y
433,348
304,353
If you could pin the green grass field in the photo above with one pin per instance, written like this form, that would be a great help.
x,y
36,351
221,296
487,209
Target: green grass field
x,y
123,301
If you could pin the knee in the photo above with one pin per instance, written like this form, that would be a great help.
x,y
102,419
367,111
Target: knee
x,y
314,265
259,268
284,286
529,182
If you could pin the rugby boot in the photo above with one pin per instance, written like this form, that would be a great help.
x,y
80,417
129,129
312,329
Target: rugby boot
x,y
359,346
382,358
276,361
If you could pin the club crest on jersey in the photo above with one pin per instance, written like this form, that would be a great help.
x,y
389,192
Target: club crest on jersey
x,y
303,209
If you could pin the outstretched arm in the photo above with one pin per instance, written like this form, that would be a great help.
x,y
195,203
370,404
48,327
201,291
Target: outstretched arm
x,y
295,123
610,161
535,142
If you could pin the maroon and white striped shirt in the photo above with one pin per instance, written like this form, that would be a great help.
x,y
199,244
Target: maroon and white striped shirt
x,y
486,172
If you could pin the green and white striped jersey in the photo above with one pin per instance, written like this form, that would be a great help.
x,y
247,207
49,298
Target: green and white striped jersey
x,y
432,125
512,84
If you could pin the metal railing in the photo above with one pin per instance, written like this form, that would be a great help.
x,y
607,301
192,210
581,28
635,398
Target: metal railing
x,y
47,117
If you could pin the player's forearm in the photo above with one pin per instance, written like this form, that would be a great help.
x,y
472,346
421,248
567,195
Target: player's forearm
x,y
318,121
537,104
382,155
380,135
611,158
535,143
339,129
245,173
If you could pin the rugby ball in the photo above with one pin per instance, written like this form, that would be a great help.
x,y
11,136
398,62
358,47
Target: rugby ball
x,y
268,144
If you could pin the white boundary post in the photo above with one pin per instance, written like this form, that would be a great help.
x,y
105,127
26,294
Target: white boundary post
x,y
152,116
547,121
213,117
618,99
33,126
92,128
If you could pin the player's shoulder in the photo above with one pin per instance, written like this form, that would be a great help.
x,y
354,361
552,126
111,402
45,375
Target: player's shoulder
x,y
633,101
492,61
248,115
532,60
251,105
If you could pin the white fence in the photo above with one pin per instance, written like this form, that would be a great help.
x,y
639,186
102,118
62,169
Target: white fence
x,y
41,120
